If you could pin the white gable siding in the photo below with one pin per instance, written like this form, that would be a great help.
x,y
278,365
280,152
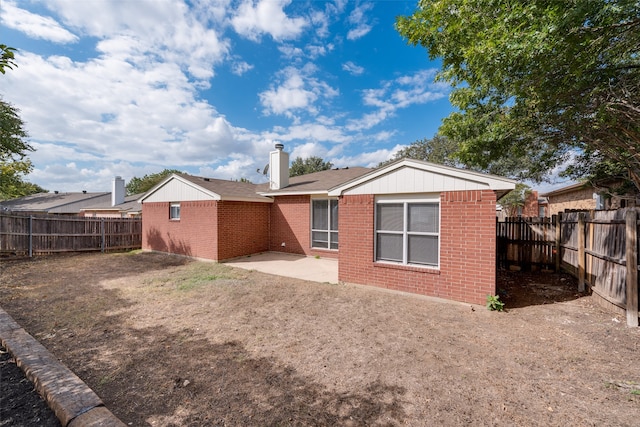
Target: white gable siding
x,y
178,191
409,180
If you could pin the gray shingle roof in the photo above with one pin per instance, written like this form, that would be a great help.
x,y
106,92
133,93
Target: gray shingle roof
x,y
226,189
317,182
55,202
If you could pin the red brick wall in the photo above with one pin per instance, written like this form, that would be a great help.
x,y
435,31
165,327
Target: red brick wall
x,y
291,224
207,229
195,234
467,249
531,206
243,228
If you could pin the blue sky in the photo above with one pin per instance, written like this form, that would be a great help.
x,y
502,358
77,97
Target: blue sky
x,y
131,87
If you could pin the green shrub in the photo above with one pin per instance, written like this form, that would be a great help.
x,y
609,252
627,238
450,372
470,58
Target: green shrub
x,y
494,303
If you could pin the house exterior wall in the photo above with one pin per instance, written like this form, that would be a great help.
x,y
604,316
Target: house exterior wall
x,y
580,199
531,207
215,230
467,249
243,228
194,234
291,225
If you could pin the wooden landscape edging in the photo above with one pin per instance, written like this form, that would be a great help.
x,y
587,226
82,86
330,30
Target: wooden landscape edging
x,y
599,248
29,235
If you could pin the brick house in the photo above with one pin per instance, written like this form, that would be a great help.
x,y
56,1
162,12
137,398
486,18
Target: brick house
x,y
410,225
584,197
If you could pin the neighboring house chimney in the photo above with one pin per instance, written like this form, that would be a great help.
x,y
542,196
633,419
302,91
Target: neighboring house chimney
x,y
278,168
117,192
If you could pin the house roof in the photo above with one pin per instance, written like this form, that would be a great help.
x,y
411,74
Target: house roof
x,y
59,203
568,189
416,176
130,205
187,187
316,182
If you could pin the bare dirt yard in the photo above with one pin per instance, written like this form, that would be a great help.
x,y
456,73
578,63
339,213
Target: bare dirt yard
x,y
166,341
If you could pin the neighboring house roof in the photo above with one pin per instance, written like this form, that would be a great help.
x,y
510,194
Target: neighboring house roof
x,y
415,176
316,182
58,203
130,205
567,189
187,187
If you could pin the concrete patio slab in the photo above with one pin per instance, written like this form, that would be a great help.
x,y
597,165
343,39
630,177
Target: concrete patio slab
x,y
323,270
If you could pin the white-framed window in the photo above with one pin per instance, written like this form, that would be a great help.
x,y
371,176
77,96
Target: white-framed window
x,y
324,223
408,230
174,211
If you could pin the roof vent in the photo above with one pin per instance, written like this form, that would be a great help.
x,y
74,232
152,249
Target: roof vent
x,y
207,179
279,146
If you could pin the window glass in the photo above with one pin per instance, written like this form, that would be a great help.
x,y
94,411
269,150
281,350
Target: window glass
x,y
320,215
423,250
423,217
389,247
320,239
390,217
334,215
407,232
324,223
174,211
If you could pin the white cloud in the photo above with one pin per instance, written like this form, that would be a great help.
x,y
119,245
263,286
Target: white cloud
x,y
358,19
298,90
254,18
138,30
352,68
240,67
33,25
366,159
309,149
402,92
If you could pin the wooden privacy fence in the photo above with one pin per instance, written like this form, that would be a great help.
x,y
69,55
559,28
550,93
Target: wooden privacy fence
x,y
38,234
600,248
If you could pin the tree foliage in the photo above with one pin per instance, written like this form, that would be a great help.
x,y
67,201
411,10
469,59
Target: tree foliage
x,y
144,184
12,184
7,58
311,164
14,147
537,81
438,149
13,143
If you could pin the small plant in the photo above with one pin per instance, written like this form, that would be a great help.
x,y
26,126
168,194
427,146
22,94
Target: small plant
x,y
494,303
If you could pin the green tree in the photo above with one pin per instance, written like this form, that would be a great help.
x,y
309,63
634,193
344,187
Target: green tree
x,y
537,81
6,58
14,147
438,149
142,185
515,199
311,164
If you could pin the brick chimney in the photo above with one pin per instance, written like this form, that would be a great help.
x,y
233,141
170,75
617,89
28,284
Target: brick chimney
x,y
278,168
117,191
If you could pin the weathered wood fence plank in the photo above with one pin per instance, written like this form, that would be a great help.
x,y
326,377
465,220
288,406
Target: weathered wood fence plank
x,y
599,248
47,234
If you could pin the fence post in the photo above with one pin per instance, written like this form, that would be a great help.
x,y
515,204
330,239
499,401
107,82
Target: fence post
x,y
557,220
30,236
632,267
102,239
581,252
